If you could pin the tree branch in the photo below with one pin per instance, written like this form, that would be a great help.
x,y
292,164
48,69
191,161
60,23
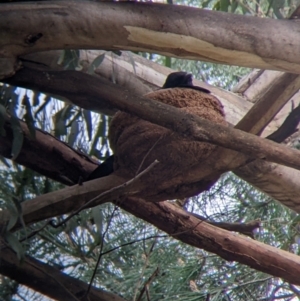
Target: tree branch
x,y
288,127
90,93
270,101
243,228
280,182
204,34
182,226
57,161
229,246
48,280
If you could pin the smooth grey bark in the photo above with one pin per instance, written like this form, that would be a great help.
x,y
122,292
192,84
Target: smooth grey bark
x,y
171,30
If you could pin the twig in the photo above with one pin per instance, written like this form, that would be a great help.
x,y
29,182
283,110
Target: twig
x,y
244,228
100,255
144,268
35,232
146,285
133,242
115,192
294,289
149,151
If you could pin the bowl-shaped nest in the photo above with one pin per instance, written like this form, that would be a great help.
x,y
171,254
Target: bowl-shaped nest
x,y
137,143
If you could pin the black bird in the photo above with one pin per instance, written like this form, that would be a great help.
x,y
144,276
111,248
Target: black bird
x,y
103,170
182,80
174,80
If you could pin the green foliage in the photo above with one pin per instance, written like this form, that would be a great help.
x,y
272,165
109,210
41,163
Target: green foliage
x,y
96,63
277,9
69,59
8,288
132,250
225,77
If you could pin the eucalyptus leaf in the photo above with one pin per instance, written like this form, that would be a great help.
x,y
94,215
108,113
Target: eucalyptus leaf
x,y
13,216
98,220
71,59
96,63
17,205
13,104
71,225
60,120
131,61
36,98
28,116
100,133
42,107
18,137
15,245
5,161
168,61
19,211
61,57
6,94
297,239
60,128
224,5
74,133
3,117
234,5
87,116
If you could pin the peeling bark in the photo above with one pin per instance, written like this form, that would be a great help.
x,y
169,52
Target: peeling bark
x,y
203,34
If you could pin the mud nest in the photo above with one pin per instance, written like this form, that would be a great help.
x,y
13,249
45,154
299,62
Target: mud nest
x,y
131,138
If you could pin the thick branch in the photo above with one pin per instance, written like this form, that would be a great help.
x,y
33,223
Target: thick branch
x,y
269,101
232,247
48,280
280,182
203,34
68,200
57,157
90,93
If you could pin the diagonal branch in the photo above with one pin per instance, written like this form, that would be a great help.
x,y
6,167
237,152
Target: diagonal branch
x,y
88,92
271,99
280,182
232,247
56,159
48,280
190,230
